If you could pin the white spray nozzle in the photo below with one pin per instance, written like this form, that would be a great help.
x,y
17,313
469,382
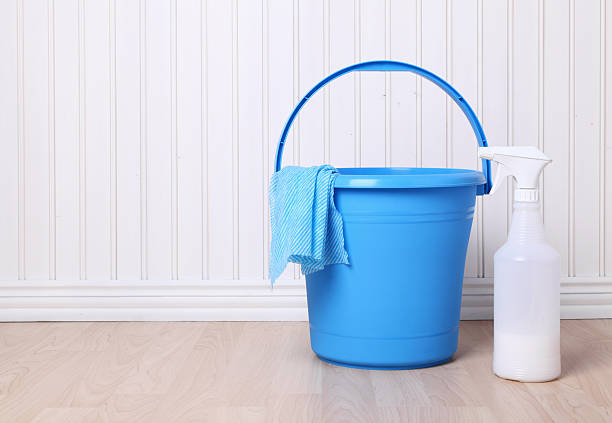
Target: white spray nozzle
x,y
523,163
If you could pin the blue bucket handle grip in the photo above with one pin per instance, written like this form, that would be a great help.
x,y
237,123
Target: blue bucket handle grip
x,y
390,65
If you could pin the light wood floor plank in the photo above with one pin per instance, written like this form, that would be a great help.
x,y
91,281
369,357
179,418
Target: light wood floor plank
x,y
131,408
265,372
69,415
113,366
199,383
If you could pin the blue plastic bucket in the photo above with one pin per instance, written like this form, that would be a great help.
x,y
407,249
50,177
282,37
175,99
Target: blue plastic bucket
x,y
397,305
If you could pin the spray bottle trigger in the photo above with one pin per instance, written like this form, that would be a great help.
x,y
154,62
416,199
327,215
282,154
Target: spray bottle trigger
x,y
500,174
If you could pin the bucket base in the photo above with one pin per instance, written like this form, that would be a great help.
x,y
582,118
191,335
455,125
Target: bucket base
x,y
385,353
355,366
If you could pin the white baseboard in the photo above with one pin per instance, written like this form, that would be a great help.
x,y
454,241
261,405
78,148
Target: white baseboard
x,y
47,300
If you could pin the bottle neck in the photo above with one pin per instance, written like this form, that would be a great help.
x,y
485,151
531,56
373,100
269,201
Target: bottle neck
x,y
526,222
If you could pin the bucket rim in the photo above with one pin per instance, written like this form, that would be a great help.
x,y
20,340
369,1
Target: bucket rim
x,y
407,177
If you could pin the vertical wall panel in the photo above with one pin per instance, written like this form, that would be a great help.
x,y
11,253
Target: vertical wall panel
x,y
556,129
159,136
250,142
607,152
494,120
9,155
311,71
129,138
112,70
67,139
189,140
525,73
204,159
402,87
98,139
281,84
281,93
265,130
220,161
341,92
373,113
433,101
36,138
462,142
587,68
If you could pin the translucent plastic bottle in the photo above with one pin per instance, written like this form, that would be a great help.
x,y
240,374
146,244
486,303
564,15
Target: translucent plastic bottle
x,y
526,301
526,277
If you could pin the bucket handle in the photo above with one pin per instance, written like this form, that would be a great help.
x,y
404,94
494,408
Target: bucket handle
x,y
390,65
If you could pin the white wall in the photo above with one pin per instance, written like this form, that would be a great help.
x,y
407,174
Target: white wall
x,y
137,137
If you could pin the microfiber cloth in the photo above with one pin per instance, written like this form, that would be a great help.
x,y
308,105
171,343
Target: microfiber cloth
x,y
306,227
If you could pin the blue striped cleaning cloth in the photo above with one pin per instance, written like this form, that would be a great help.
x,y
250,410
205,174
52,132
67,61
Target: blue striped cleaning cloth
x,y
306,227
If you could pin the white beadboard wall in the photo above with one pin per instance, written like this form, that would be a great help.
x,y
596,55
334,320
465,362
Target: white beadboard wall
x,y
137,138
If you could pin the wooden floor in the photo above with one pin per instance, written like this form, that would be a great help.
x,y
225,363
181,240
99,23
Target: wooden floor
x,y
265,372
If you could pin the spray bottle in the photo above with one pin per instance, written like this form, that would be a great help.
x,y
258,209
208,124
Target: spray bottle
x,y
526,276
